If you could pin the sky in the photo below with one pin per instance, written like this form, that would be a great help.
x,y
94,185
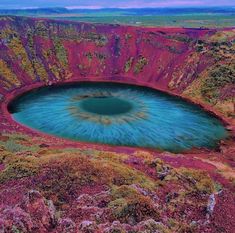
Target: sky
x,y
96,4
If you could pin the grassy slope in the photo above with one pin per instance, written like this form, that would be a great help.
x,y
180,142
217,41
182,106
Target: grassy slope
x,y
205,17
100,187
156,20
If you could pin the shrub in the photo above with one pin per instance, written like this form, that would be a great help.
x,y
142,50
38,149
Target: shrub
x,y
65,173
141,63
122,174
61,52
16,142
199,180
17,168
128,64
17,47
8,74
129,206
218,78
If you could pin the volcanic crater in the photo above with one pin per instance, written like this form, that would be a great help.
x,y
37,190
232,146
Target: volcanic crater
x,y
99,187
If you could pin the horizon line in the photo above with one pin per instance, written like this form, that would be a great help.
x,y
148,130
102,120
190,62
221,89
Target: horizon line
x,y
122,8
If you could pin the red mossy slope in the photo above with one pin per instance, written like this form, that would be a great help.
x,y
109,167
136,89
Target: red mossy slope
x,y
36,52
75,51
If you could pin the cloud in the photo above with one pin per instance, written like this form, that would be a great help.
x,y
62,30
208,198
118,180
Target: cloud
x,y
84,7
152,4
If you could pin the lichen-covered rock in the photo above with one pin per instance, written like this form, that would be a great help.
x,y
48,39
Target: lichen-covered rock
x,y
41,211
85,200
15,220
151,226
117,227
88,227
211,204
33,214
66,225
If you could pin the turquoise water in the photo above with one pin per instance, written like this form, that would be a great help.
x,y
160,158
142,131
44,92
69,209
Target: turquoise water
x,y
118,114
106,105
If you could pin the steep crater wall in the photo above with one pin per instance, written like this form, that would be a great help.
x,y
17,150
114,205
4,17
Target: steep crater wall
x,y
39,52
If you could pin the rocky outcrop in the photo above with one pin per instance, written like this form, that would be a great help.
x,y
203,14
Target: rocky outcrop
x,y
34,214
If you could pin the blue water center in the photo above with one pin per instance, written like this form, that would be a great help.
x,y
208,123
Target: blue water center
x,y
118,114
106,105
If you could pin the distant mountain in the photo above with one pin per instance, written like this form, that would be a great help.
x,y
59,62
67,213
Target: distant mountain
x,y
117,11
161,11
36,11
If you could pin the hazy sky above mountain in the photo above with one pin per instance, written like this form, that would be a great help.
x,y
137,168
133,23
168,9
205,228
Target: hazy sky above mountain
x,y
112,3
